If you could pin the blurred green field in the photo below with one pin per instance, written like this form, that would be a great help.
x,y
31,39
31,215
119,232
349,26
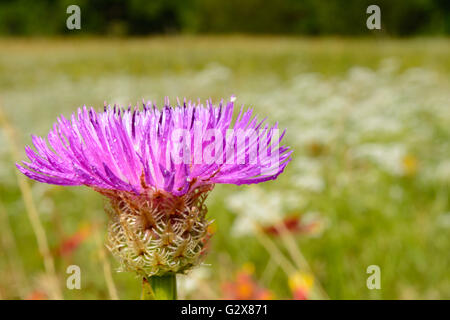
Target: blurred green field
x,y
369,122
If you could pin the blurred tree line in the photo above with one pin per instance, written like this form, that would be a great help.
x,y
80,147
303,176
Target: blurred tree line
x,y
308,17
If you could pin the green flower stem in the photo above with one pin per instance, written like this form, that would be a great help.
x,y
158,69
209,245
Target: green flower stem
x,y
160,287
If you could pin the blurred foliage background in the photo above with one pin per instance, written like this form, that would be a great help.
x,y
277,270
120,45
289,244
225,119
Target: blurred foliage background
x,y
368,118
307,17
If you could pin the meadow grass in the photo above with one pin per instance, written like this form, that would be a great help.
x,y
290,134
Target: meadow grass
x,y
368,120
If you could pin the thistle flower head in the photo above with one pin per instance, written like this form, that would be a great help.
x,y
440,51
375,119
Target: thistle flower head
x,y
156,168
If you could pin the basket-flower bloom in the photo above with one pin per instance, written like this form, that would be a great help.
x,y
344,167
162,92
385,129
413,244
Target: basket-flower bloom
x,y
156,167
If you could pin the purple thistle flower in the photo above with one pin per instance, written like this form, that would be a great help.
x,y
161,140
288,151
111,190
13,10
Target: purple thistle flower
x,y
131,149
156,167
